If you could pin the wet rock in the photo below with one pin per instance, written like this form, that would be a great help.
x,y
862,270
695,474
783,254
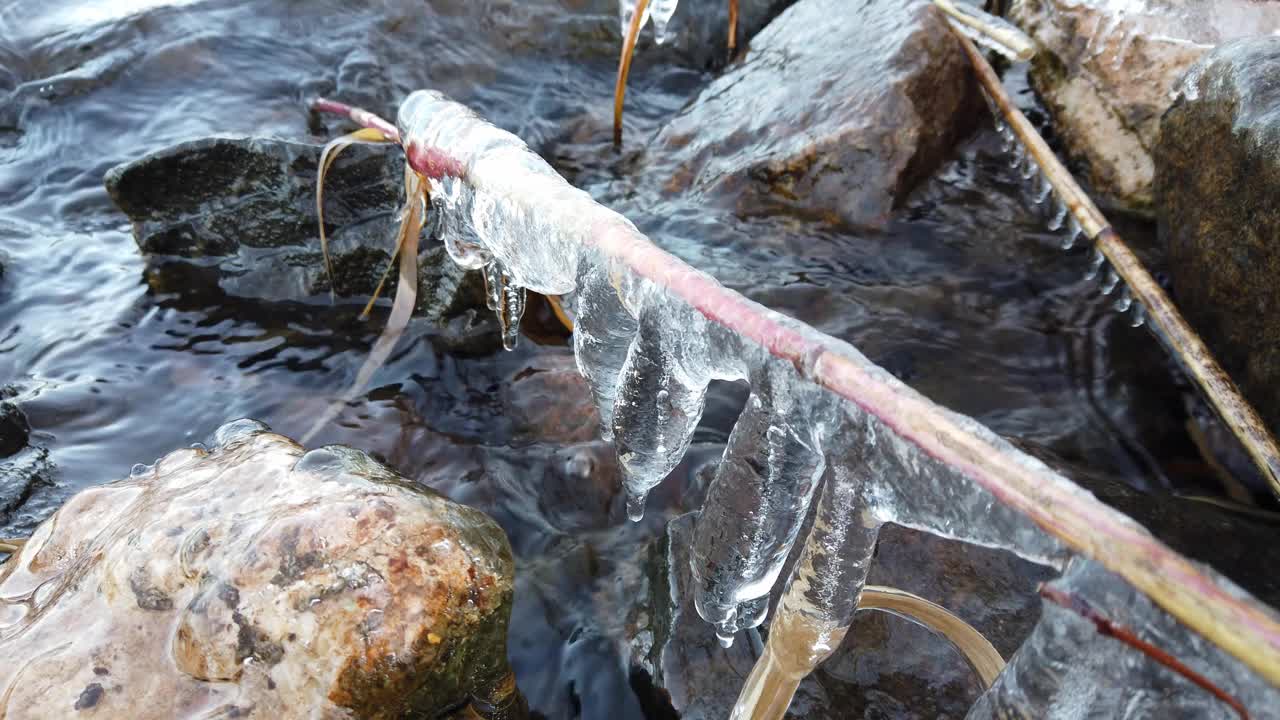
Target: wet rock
x,y
14,428
241,213
256,580
1217,177
887,667
550,402
1106,72
839,119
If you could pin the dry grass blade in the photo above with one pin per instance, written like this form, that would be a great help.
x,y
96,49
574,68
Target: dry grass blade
x,y
330,153
624,67
12,545
733,27
413,218
1169,324
976,649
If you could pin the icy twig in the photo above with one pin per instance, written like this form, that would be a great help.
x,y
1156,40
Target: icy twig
x,y
989,30
1112,629
1077,519
1169,324
624,66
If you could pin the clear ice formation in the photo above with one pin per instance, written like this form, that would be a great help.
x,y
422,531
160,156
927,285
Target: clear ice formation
x,y
627,11
648,356
755,506
1067,669
661,13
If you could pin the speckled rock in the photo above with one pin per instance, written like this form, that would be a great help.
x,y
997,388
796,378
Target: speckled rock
x,y
240,213
1106,71
838,110
254,580
1217,180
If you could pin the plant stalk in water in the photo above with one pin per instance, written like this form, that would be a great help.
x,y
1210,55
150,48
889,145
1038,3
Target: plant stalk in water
x,y
1167,322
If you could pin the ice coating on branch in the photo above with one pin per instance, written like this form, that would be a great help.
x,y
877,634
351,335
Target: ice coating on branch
x,y
661,12
515,206
1068,669
627,11
602,335
661,392
755,506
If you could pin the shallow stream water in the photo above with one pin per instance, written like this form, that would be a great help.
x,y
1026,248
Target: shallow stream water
x,y
964,295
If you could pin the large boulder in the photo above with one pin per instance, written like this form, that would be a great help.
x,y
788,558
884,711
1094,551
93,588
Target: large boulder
x,y
256,580
838,110
1106,71
1217,180
239,214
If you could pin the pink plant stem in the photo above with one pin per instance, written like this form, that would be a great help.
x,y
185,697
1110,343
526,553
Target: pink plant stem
x,y
359,116
1245,629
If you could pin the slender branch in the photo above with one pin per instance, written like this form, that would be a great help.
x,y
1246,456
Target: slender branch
x,y
1113,629
733,27
624,67
1240,626
1195,356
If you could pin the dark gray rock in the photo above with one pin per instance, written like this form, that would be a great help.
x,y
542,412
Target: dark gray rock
x,y
838,110
1217,180
241,214
887,667
14,428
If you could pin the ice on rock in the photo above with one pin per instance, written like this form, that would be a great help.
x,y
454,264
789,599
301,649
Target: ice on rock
x,y
661,12
755,505
659,401
602,333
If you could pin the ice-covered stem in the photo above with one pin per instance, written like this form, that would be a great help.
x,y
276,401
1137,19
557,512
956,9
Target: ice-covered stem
x,y
1077,519
624,66
1112,629
990,30
359,116
1169,324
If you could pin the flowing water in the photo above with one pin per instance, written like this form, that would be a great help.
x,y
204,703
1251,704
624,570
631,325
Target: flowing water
x,y
965,295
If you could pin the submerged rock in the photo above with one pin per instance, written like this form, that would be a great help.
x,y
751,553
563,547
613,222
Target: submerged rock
x,y
241,213
839,109
1217,180
14,428
1106,71
886,667
255,580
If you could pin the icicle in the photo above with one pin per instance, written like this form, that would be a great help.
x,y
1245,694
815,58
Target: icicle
x,y
1019,155
1138,316
452,198
1008,140
1044,189
661,13
627,10
1110,282
1095,264
507,301
1029,168
1125,300
658,404
1060,212
602,333
1074,231
755,506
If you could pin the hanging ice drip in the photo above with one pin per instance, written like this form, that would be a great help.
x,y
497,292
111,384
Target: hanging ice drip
x,y
755,504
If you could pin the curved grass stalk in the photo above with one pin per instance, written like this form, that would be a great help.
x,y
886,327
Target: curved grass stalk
x,y
1168,323
327,156
1196,597
797,644
624,67
406,248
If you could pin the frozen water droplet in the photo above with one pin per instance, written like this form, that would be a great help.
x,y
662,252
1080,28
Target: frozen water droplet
x,y
1059,217
1124,301
506,301
661,12
635,505
200,447
237,431
1110,282
1019,155
1043,189
1074,231
725,637
1138,316
139,470
1029,169
1095,264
